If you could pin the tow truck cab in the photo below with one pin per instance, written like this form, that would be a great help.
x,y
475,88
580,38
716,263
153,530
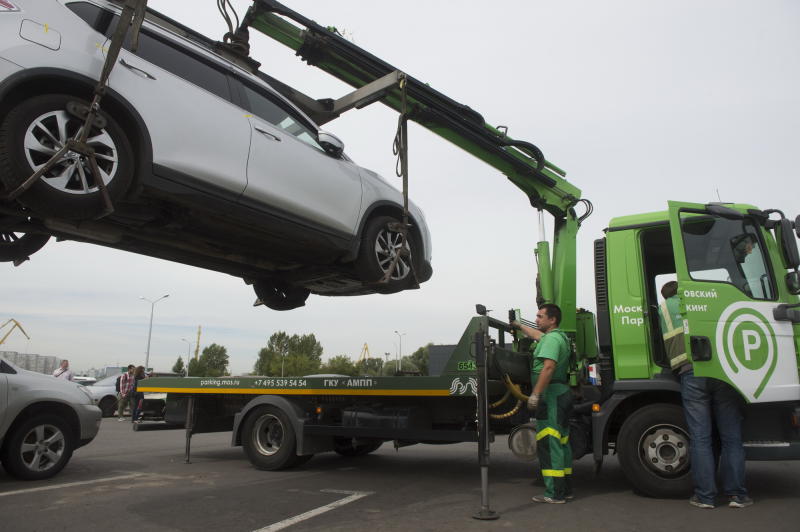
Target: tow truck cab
x,y
736,268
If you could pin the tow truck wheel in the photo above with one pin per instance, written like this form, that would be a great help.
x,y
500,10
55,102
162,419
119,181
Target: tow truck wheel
x,y
653,448
38,448
380,244
346,447
40,126
269,440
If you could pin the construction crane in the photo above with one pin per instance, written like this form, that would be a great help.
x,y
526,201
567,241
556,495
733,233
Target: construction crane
x,y
364,353
15,325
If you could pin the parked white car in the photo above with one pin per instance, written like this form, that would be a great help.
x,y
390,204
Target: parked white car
x,y
206,163
104,394
42,421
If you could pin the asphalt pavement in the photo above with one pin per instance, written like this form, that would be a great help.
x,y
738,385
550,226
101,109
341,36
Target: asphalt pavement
x,y
127,480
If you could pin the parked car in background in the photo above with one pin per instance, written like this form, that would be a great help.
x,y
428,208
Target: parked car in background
x,y
42,421
104,395
206,163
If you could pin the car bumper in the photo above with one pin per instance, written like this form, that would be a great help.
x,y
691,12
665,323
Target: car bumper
x,y
89,417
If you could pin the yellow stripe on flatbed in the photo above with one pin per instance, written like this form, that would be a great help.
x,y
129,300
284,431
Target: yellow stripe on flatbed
x,y
297,391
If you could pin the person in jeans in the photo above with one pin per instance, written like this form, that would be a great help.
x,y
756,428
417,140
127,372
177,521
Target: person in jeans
x,y
125,384
707,403
137,397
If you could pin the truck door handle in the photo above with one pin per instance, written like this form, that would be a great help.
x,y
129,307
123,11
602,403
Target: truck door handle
x,y
267,133
700,347
136,70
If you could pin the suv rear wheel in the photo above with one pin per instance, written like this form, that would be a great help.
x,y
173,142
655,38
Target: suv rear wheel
x,y
381,244
36,129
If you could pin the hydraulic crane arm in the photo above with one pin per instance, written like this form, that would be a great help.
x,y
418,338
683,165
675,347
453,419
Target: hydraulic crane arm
x,y
522,162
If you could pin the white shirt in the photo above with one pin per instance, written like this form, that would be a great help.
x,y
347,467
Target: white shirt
x,y
62,373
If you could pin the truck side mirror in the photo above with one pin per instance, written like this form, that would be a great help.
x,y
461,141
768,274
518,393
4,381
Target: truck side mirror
x,y
791,258
797,226
480,309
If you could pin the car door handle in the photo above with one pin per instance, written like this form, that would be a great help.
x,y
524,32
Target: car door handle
x,y
267,133
136,70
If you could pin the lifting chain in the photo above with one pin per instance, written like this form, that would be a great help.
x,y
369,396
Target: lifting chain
x,y
131,19
400,149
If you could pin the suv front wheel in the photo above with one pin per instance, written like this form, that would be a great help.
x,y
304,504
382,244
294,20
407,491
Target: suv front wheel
x,y
38,448
35,130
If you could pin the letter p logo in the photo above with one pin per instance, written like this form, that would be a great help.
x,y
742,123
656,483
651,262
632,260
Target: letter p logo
x,y
751,341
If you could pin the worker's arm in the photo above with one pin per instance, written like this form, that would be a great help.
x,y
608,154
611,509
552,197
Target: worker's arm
x,y
530,332
544,377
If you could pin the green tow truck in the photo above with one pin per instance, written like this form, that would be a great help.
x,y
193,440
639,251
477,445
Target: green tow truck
x,y
739,303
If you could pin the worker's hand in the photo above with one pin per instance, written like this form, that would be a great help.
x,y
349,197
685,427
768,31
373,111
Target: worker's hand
x,y
533,401
515,326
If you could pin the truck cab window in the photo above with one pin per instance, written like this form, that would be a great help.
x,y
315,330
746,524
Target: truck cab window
x,y
728,251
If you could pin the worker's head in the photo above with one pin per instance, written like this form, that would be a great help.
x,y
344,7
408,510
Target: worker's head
x,y
548,317
131,367
669,289
65,364
139,371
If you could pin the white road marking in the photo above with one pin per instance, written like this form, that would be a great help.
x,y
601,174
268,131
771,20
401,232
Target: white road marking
x,y
70,484
353,496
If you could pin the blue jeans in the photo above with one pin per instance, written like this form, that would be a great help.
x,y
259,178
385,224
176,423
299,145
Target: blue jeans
x,y
710,402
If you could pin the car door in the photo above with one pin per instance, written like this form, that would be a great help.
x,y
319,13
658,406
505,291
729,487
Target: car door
x,y
727,296
291,175
199,136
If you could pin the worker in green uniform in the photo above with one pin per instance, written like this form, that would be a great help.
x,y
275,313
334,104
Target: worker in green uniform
x,y
671,322
551,399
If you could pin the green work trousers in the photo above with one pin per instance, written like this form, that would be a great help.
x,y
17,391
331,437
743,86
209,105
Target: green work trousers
x,y
552,440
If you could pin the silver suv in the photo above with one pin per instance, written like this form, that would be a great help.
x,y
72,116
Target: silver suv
x,y
206,163
42,420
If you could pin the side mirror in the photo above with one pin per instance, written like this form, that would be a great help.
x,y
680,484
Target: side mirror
x,y
797,226
788,244
330,143
793,282
480,309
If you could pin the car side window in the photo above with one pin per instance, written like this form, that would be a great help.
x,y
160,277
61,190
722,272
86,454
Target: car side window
x,y
265,108
5,368
159,52
183,64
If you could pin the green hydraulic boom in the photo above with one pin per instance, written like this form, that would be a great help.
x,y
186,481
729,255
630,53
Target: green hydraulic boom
x,y
375,80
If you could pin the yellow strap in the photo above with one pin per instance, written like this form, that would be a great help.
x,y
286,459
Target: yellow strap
x,y
567,470
549,431
565,440
552,472
665,314
678,360
672,333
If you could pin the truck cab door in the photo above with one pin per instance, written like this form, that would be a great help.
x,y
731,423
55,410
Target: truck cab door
x,y
728,290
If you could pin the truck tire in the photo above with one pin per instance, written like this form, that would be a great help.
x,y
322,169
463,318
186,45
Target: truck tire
x,y
653,448
269,439
38,448
345,447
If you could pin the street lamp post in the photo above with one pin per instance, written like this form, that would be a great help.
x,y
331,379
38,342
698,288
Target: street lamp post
x,y
150,331
400,353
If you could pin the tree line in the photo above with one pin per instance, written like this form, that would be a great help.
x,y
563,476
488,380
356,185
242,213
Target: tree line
x,y
298,355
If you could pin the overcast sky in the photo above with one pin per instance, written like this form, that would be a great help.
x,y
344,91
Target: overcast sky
x,y
640,102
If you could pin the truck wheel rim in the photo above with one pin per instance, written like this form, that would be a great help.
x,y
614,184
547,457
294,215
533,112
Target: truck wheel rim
x,y
664,449
42,447
48,134
387,246
268,434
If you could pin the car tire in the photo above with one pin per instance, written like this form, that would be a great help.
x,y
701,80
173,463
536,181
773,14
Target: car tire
x,y
269,440
108,405
345,447
653,448
17,247
38,448
279,295
379,245
37,128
